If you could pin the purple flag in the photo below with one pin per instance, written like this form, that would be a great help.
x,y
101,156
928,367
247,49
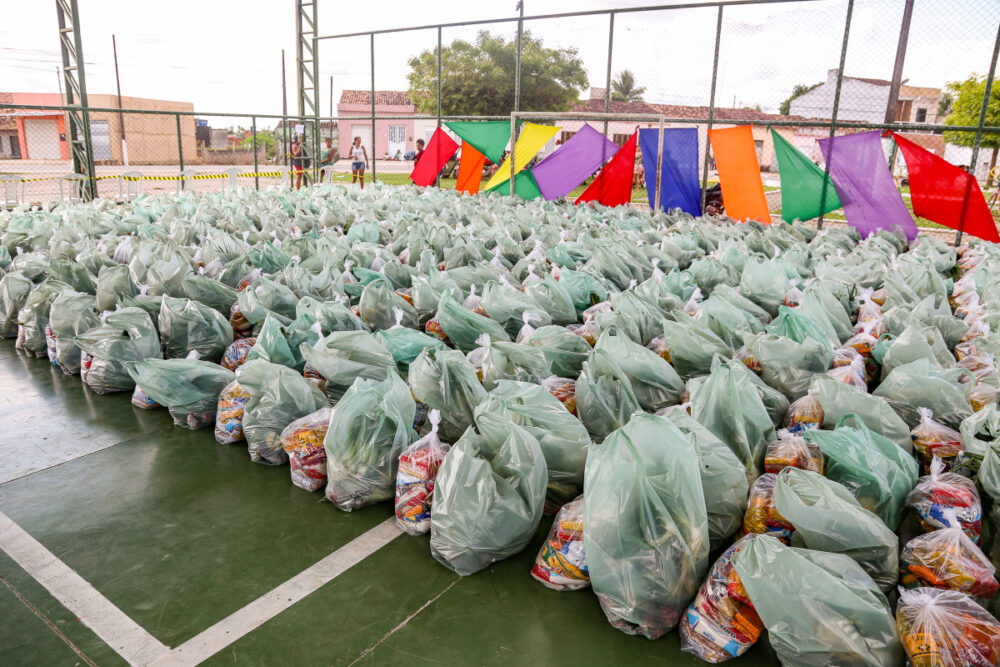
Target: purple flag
x,y
570,164
865,186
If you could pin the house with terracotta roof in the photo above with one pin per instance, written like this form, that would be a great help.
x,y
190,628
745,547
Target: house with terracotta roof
x,y
392,136
865,100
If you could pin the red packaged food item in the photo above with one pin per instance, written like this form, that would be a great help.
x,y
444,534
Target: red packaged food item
x,y
933,439
564,389
561,563
947,558
303,441
237,352
792,451
944,628
942,497
418,468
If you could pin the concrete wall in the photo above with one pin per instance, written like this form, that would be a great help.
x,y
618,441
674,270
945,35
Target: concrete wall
x,y
859,101
347,128
228,156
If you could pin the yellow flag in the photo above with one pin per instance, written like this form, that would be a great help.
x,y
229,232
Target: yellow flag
x,y
533,138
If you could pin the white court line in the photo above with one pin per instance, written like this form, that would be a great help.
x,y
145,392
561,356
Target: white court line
x,y
272,603
107,621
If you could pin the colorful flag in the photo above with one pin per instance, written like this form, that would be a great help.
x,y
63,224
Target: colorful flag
x,y
739,173
613,186
533,138
439,150
802,183
525,186
488,137
679,184
573,162
470,169
946,194
865,186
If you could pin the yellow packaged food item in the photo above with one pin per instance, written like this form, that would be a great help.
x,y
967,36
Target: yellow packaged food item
x,y
944,628
792,451
761,515
933,439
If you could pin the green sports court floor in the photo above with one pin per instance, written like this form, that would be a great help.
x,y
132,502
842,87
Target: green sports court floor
x,y
124,539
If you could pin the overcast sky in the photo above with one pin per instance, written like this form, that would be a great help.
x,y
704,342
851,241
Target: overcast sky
x,y
225,55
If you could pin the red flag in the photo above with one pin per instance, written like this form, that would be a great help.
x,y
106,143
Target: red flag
x,y
470,169
613,186
439,150
946,194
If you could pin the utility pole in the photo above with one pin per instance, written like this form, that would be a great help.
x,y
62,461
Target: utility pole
x,y
517,64
121,116
284,111
331,97
897,69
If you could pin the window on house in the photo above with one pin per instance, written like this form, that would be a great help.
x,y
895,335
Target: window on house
x,y
921,116
620,139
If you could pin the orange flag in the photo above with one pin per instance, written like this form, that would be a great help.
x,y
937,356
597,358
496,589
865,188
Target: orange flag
x,y
470,169
739,173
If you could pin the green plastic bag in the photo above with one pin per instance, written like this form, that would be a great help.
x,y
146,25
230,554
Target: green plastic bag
x,y
561,436
344,356
564,350
188,388
871,466
278,396
826,517
210,292
34,316
816,296
331,315
915,343
919,384
787,365
605,400
113,283
126,335
445,381
189,326
727,321
645,525
14,290
839,399
273,345
793,323
405,345
728,404
72,314
553,299
369,428
692,345
267,295
463,327
381,308
654,382
511,308
723,478
584,289
764,283
488,499
820,609
513,361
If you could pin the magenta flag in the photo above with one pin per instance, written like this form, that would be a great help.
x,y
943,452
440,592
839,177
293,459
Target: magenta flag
x,y
570,164
865,186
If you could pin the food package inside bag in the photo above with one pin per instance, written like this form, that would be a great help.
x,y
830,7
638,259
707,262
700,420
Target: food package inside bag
x,y
933,440
418,468
804,414
721,624
946,628
791,450
229,413
762,516
943,496
303,440
561,563
947,558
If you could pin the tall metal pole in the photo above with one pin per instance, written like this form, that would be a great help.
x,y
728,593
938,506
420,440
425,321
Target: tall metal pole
x,y
517,61
121,117
437,179
180,149
711,106
607,77
897,76
317,139
513,140
659,168
256,166
982,116
374,152
331,103
71,47
836,108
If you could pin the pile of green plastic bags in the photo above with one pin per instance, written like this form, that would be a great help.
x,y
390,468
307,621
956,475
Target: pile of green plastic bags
x,y
752,433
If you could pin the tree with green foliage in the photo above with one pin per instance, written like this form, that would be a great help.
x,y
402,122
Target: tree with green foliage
x,y
966,105
477,79
623,88
265,138
797,91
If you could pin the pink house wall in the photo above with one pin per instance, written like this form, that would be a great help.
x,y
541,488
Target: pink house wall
x,y
347,132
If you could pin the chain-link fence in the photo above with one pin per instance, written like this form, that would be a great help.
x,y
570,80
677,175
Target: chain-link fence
x,y
808,68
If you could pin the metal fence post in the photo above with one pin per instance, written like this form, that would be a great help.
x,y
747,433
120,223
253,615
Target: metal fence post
x,y
180,149
437,179
836,107
982,118
517,62
253,128
659,169
607,77
374,151
711,108
513,139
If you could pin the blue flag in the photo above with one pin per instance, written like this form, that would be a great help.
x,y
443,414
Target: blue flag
x,y
679,186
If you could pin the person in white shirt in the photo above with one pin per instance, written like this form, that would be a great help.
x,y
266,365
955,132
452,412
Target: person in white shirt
x,y
359,162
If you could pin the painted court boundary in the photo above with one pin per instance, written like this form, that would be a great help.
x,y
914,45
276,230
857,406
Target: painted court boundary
x,y
132,642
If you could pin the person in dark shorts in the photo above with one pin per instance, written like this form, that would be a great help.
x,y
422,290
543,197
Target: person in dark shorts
x,y
359,162
296,152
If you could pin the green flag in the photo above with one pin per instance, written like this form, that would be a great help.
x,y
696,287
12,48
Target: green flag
x,y
802,184
488,137
525,186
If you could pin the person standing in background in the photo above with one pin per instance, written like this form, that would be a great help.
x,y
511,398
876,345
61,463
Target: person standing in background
x,y
359,162
296,152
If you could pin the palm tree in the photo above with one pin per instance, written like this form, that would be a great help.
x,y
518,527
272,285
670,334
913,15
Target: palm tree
x,y
623,88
